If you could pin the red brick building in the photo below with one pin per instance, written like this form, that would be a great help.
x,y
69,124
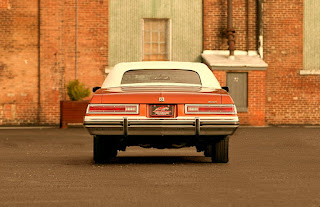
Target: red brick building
x,y
45,44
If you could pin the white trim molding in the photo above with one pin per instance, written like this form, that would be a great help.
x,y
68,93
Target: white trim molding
x,y
309,72
243,60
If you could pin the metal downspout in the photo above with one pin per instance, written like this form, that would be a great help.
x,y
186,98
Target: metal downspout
x,y
260,27
247,25
39,63
76,41
230,31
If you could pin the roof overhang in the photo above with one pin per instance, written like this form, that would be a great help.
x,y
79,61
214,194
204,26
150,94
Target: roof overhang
x,y
242,60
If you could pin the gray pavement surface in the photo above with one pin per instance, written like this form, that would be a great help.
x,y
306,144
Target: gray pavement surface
x,y
53,167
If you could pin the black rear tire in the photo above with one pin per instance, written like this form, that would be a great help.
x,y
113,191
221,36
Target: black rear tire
x,y
220,150
104,149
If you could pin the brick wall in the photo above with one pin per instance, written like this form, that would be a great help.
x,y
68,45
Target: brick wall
x,y
244,21
291,98
256,96
18,62
287,98
59,62
215,22
4,4
19,51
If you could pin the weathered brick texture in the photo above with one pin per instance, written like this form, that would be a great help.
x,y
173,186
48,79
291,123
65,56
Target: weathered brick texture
x,y
291,98
18,62
19,49
74,44
215,22
256,97
276,96
244,21
4,4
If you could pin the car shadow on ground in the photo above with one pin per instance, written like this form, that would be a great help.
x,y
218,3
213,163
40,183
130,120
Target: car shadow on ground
x,y
144,160
160,160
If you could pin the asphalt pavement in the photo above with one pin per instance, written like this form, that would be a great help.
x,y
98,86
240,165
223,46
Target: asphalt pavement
x,y
271,166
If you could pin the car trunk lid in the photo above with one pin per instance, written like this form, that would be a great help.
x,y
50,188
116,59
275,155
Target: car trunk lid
x,y
166,95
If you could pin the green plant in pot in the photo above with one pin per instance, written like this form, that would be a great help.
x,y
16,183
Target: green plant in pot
x,y
74,110
77,91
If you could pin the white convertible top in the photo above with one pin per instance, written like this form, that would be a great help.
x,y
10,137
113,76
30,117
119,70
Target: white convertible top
x,y
206,76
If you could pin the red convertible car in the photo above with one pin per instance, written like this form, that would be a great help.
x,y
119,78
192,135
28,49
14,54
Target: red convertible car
x,y
161,105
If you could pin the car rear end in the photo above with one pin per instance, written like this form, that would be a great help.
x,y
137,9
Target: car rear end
x,y
158,105
177,113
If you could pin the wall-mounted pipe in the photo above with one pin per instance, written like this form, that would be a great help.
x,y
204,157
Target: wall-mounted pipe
x,y
39,63
230,34
247,25
260,27
76,41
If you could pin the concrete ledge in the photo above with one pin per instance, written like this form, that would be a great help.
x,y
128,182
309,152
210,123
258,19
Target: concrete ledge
x,y
242,60
310,72
244,68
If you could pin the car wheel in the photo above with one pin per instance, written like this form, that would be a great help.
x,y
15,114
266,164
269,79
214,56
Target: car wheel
x,y
220,150
103,149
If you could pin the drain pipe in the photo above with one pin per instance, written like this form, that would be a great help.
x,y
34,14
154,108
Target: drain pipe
x,y
39,63
260,27
230,34
76,41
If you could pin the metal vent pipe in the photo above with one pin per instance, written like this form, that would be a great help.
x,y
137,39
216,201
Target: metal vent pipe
x,y
230,34
260,27
76,42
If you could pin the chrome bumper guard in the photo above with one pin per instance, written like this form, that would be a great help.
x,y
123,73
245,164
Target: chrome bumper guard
x,y
190,127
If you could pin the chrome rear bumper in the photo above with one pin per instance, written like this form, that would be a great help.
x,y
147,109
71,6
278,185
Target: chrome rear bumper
x,y
187,127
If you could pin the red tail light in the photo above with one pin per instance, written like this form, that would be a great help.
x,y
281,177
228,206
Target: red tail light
x,y
113,109
210,109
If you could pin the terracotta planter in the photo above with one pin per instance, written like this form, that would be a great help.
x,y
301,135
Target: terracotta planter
x,y
72,112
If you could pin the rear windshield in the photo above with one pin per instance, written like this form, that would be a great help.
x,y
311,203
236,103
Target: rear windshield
x,y
161,76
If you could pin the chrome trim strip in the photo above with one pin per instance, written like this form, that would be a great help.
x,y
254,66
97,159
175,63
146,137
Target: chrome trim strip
x,y
162,122
179,118
102,126
194,126
208,122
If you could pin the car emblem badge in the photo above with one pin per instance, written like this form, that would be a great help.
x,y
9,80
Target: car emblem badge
x,y
161,99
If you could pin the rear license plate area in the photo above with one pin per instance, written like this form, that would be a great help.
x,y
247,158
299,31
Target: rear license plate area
x,y
161,110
